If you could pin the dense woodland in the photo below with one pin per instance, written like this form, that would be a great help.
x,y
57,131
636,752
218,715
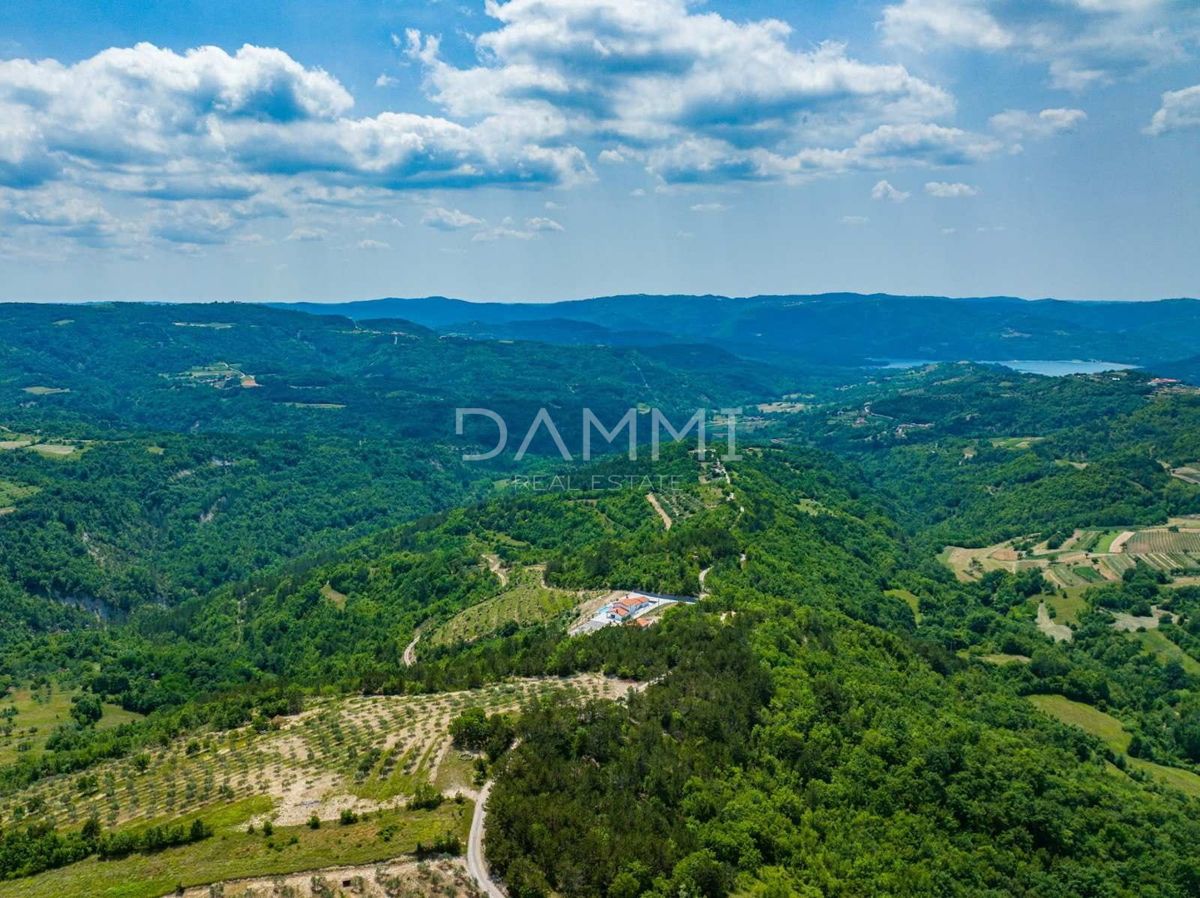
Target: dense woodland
x,y
822,722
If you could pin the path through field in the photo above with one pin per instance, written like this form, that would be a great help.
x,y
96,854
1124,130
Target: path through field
x,y
1118,544
666,518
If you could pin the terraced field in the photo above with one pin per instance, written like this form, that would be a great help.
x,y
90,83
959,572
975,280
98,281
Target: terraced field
x,y
363,753
366,755
1168,549
1088,558
524,601
233,853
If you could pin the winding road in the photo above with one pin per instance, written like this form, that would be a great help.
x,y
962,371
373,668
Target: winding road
x,y
410,651
493,563
476,863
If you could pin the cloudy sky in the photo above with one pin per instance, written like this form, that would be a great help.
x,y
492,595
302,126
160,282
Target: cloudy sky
x,y
556,149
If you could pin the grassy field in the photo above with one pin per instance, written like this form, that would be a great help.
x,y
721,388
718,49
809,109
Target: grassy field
x,y
38,713
1016,443
1001,658
232,853
12,493
63,451
523,602
1158,644
1066,610
907,598
1107,728
1113,734
332,595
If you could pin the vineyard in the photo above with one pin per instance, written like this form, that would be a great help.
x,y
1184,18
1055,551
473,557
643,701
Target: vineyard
x,y
1165,542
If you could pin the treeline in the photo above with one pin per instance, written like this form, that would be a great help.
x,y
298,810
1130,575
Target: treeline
x,y
33,849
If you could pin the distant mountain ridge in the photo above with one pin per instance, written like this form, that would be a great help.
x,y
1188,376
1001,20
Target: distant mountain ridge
x,y
832,328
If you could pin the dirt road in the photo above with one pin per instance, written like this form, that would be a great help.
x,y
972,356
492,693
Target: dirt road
x,y
476,863
410,652
493,563
666,518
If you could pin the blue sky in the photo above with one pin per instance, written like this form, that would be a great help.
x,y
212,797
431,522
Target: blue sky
x,y
556,149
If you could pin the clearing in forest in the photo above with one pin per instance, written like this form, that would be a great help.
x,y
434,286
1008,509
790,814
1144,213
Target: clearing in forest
x,y
1166,651
29,716
11,493
1066,609
909,599
1113,734
332,595
56,450
1057,632
1016,443
525,600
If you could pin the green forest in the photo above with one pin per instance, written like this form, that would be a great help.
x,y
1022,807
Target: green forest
x,y
941,633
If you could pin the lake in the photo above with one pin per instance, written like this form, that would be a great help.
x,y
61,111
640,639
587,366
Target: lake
x,y
1050,368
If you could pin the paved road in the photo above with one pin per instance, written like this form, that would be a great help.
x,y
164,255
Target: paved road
x,y
475,860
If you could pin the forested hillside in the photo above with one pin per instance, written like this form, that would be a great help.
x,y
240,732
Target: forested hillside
x,y
934,632
837,328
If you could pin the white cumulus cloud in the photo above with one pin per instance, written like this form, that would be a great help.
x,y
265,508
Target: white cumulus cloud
x,y
541,223
944,190
449,219
1018,124
1180,109
883,190
1082,42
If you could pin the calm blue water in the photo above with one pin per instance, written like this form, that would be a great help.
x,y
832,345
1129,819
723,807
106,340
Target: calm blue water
x,y
1063,367
1052,368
